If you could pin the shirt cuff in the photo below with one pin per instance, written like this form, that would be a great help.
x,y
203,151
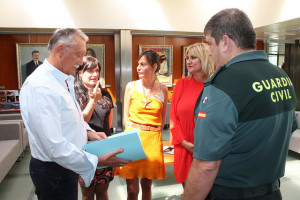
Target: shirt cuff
x,y
87,127
88,176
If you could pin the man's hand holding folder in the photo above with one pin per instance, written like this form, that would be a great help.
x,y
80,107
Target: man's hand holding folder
x,y
111,160
108,159
117,150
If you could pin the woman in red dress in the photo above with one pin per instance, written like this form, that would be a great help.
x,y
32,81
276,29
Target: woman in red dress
x,y
200,66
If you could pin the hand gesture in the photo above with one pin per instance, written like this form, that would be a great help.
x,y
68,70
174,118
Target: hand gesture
x,y
95,94
111,160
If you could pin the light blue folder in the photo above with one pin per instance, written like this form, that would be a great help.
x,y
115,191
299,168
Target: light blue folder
x,y
129,140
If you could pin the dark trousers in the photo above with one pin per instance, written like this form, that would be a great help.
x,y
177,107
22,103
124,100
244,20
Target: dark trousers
x,y
270,191
52,181
276,195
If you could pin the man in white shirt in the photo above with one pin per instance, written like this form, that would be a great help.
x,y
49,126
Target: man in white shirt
x,y
57,131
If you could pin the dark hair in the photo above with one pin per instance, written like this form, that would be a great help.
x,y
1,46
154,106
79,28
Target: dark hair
x,y
81,92
34,51
65,36
153,58
235,24
92,50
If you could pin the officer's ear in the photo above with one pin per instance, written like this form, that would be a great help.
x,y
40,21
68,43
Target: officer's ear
x,y
226,43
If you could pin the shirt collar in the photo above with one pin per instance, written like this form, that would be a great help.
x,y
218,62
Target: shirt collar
x,y
60,76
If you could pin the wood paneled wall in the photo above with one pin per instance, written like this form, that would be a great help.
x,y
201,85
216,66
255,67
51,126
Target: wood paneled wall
x,y
176,42
8,57
260,45
8,60
108,40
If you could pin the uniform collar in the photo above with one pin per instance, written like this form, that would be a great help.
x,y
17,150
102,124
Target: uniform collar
x,y
251,55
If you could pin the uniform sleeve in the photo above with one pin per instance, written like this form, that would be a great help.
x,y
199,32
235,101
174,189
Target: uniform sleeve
x,y
216,124
296,119
177,135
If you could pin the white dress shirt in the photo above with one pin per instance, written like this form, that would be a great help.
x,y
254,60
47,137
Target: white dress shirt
x,y
53,119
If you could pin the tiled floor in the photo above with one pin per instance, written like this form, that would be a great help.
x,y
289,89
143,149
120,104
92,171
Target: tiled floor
x,y
17,184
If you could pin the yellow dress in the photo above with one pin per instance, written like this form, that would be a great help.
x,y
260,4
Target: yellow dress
x,y
153,166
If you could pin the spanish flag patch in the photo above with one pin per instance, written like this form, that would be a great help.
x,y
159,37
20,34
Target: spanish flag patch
x,y
202,115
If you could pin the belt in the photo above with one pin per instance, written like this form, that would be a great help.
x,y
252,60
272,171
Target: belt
x,y
47,164
144,127
221,192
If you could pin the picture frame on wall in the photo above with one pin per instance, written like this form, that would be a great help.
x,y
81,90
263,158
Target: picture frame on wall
x,y
98,51
25,62
164,75
25,59
185,71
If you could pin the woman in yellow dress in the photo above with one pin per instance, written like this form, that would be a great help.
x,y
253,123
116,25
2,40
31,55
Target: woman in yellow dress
x,y
145,107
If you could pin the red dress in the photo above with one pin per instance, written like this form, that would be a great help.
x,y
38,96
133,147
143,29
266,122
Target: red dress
x,y
182,123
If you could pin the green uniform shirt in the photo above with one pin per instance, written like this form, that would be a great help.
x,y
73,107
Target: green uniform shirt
x,y
245,116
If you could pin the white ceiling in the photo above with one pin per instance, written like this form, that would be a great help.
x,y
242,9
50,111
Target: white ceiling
x,y
281,32
278,34
271,25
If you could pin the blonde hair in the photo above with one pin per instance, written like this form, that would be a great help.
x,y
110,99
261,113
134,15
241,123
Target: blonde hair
x,y
201,51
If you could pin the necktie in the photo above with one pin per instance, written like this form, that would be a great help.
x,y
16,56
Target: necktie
x,y
67,85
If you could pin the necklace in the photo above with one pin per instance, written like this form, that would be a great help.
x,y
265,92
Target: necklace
x,y
146,102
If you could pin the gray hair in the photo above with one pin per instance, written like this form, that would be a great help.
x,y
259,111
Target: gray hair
x,y
65,36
